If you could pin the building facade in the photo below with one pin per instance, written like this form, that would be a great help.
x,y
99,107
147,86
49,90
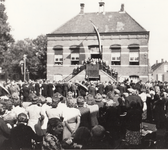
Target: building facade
x,y
124,44
160,71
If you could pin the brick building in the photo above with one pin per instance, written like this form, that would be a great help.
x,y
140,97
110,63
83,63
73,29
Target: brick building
x,y
124,45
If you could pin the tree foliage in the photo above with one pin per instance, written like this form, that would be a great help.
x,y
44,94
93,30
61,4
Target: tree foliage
x,y
5,37
40,44
35,50
11,53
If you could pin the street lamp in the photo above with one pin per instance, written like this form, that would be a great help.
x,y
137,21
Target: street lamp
x,y
28,75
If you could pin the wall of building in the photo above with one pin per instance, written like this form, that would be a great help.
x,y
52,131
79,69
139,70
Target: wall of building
x,y
124,70
161,73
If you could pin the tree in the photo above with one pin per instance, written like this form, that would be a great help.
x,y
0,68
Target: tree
x,y
35,50
40,44
5,37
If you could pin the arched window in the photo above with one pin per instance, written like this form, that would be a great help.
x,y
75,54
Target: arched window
x,y
58,54
115,54
133,54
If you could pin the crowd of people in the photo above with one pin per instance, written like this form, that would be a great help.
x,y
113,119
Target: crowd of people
x,y
80,114
102,65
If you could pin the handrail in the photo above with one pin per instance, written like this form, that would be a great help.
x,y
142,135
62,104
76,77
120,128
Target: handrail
x,y
74,73
81,68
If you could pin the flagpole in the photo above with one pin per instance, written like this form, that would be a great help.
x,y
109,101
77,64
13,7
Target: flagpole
x,y
98,36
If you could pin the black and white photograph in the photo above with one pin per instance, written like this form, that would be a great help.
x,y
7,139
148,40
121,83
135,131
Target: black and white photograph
x,y
83,74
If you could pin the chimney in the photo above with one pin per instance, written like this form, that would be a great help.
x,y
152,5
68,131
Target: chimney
x,y
82,5
101,6
122,8
162,60
156,61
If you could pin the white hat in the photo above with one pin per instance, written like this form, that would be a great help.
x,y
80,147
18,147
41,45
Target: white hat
x,y
130,90
117,91
49,100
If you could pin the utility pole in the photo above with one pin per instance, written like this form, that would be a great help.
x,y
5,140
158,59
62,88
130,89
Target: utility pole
x,y
24,59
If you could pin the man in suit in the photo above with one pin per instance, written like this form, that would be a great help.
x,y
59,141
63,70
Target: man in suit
x,y
44,89
22,135
92,89
109,87
50,89
100,88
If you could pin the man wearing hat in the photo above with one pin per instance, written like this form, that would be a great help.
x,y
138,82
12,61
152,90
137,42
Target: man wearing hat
x,y
85,113
98,100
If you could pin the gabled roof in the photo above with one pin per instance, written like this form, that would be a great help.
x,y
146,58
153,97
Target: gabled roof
x,y
106,22
155,66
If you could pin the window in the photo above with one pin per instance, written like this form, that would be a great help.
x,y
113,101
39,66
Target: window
x,y
75,59
58,60
133,54
165,68
115,54
74,54
58,56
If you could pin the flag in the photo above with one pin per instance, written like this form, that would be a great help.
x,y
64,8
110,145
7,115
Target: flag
x,y
98,36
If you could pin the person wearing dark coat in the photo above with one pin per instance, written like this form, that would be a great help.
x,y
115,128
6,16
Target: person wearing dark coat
x,y
159,112
59,88
50,89
4,130
133,121
85,113
92,89
99,139
65,89
25,92
81,91
109,88
44,89
37,89
113,124
133,97
22,135
100,88
122,88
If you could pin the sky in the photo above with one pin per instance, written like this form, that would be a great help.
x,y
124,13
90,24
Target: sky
x,y
31,18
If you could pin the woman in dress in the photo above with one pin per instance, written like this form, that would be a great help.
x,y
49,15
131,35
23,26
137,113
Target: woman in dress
x,y
71,118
